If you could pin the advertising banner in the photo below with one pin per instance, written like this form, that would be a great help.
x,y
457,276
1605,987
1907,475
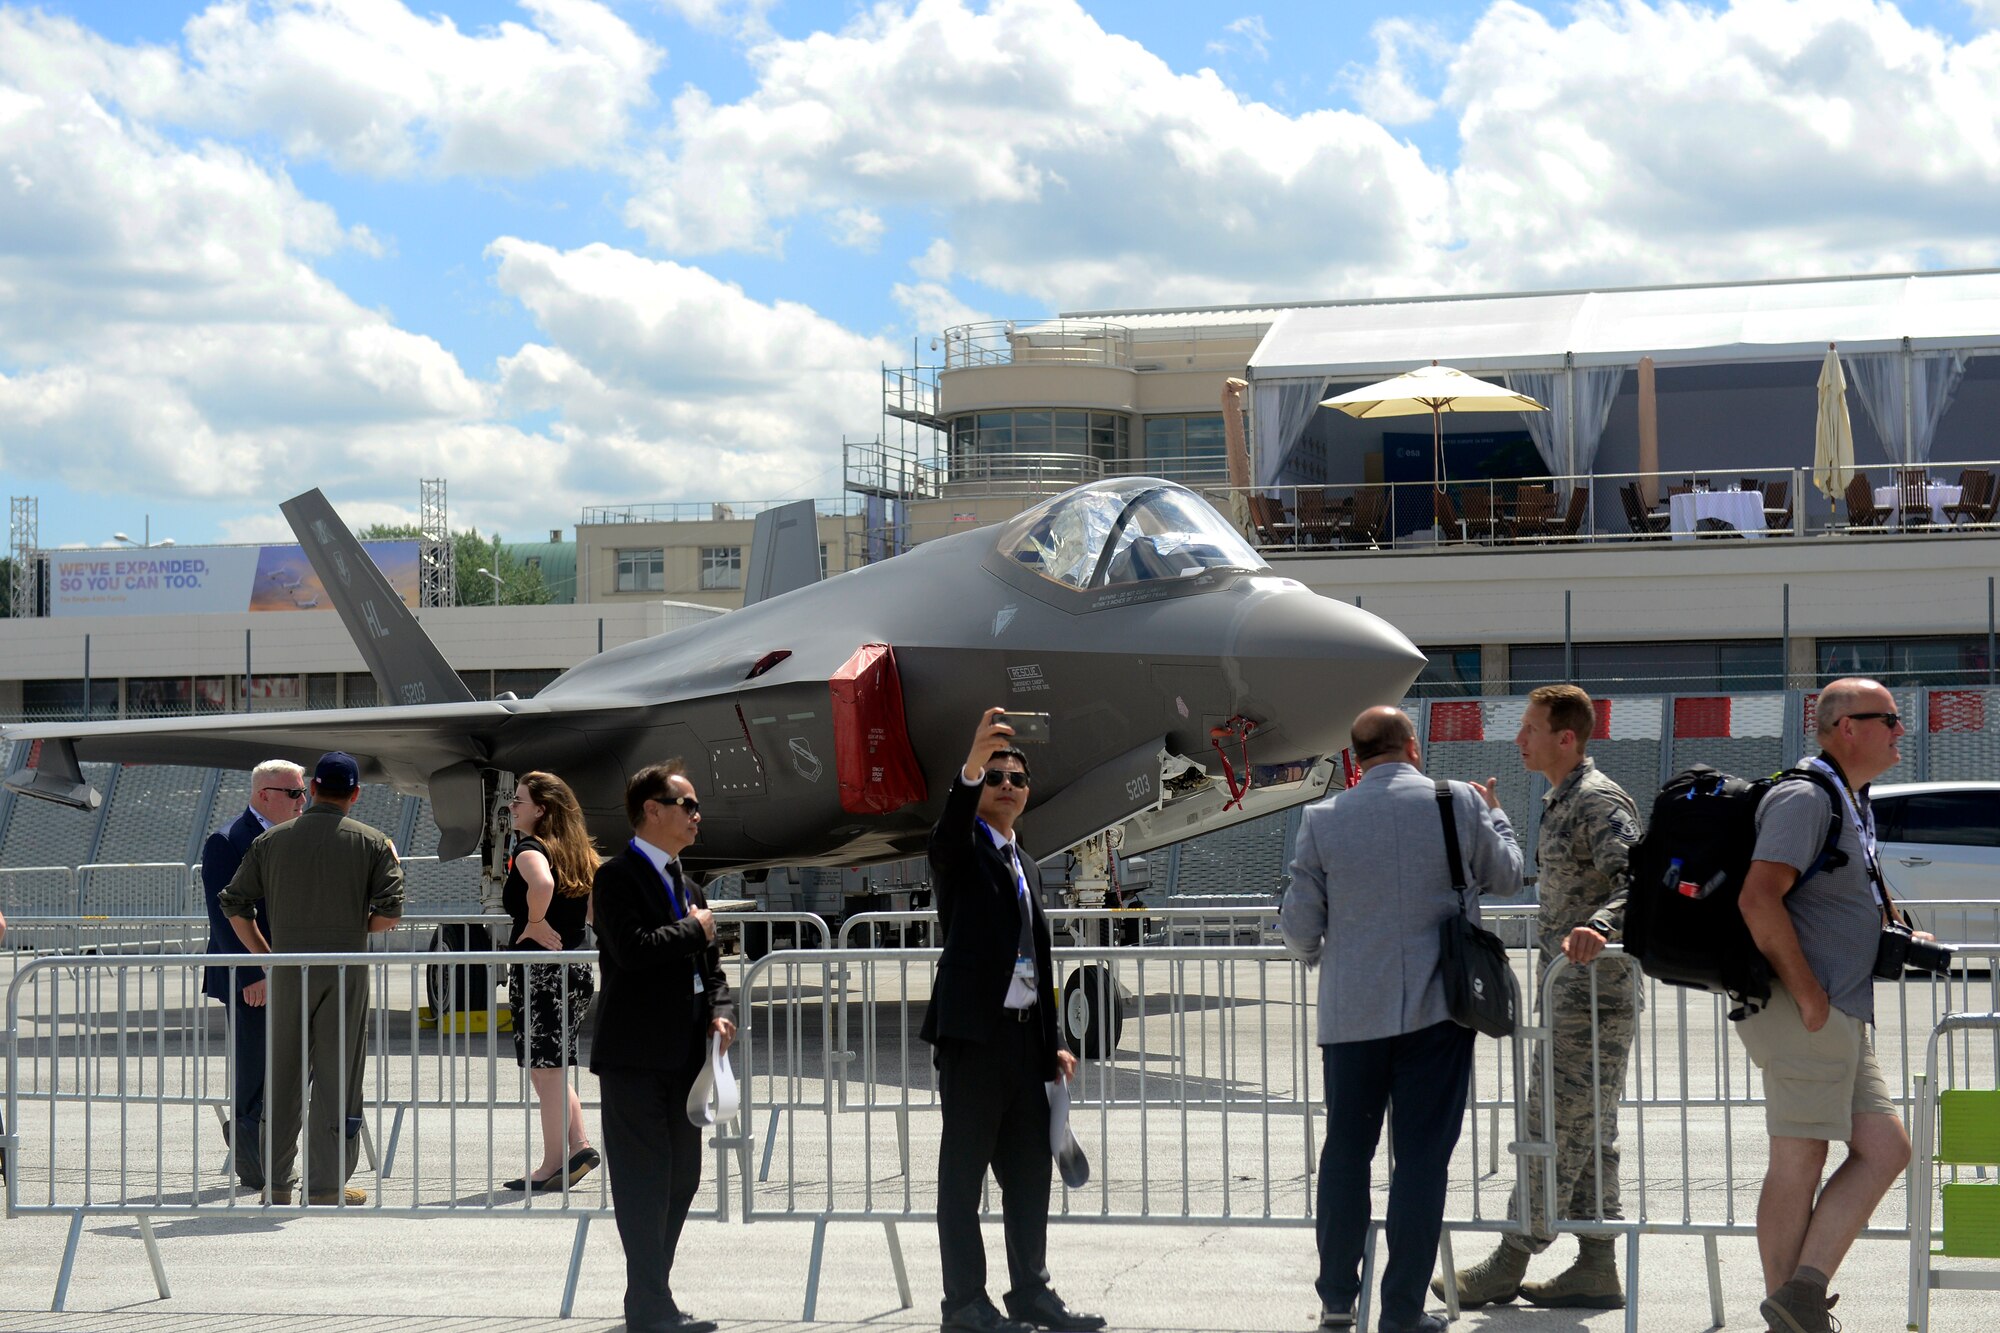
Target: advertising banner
x,y
192,580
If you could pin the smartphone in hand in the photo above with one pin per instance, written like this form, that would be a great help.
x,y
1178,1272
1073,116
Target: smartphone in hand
x,y
1029,728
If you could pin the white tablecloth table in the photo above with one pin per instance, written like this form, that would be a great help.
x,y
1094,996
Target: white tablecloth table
x,y
1938,493
1742,510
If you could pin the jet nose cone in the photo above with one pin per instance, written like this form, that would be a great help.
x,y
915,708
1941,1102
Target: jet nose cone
x,y
1306,665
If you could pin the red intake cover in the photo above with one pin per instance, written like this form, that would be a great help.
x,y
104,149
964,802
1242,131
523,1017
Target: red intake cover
x,y
878,770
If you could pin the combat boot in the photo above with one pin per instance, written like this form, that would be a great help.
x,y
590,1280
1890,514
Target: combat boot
x,y
1591,1283
1494,1280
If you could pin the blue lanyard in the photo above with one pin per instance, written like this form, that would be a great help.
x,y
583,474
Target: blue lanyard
x,y
680,908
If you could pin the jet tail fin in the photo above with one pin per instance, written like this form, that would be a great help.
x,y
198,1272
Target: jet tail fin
x,y
784,552
407,666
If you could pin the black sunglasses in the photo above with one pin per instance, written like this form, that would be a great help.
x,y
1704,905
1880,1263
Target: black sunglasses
x,y
294,792
687,803
1008,777
1893,720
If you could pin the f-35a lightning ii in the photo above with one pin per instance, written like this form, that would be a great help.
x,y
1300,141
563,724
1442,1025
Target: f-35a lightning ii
x,y
821,724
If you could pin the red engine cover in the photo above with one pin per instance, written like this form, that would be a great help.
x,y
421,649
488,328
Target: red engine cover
x,y
878,770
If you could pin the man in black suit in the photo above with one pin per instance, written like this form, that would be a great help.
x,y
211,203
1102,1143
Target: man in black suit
x,y
663,996
992,1021
277,794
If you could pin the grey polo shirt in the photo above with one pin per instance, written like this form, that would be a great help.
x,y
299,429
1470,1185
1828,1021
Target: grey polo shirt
x,y
1834,912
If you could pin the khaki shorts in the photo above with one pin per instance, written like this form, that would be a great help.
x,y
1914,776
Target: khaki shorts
x,y
1815,1083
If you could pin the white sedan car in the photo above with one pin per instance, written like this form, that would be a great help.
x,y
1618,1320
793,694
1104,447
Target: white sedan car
x,y
1940,843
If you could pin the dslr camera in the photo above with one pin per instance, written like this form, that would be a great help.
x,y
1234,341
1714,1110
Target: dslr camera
x,y
1899,949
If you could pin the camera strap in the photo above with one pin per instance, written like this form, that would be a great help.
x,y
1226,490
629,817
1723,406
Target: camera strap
x,y
1864,833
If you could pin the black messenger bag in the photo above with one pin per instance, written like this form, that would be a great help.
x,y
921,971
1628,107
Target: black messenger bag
x,y
1479,984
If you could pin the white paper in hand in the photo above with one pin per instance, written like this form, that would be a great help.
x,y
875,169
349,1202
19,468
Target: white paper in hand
x,y
1070,1161
712,1100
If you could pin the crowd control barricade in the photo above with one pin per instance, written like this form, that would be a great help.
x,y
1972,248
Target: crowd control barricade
x,y
1955,1153
1197,1099
115,1063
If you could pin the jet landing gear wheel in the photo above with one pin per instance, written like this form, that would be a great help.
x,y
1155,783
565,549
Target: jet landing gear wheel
x,y
1092,1017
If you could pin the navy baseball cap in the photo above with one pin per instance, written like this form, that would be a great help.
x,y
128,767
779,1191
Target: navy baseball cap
x,y
336,774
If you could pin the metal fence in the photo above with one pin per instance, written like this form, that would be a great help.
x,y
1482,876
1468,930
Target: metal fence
x,y
1196,1101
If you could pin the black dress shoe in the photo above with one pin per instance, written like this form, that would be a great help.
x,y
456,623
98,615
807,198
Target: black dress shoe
x,y
1046,1310
981,1317
680,1321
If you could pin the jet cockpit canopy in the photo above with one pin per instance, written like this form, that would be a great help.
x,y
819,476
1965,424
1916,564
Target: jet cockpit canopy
x,y
1125,531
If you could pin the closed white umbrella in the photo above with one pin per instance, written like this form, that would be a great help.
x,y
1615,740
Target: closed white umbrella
x,y
1833,434
1434,389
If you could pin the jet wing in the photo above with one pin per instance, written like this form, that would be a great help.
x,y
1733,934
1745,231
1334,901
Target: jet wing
x,y
437,748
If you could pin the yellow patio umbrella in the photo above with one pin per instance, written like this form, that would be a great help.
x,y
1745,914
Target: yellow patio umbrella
x,y
1833,434
1434,389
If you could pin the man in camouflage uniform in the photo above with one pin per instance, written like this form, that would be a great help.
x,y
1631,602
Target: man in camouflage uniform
x,y
1588,828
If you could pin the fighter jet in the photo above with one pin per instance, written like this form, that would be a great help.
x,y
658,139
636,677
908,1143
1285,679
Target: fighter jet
x,y
822,724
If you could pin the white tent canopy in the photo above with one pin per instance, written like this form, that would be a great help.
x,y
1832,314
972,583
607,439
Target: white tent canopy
x,y
1764,321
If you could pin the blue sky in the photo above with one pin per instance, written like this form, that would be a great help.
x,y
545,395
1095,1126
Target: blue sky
x,y
583,251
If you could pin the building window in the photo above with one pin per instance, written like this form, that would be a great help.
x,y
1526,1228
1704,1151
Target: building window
x,y
822,559
721,567
1185,447
642,571
1959,660
1652,668
1104,436
1450,673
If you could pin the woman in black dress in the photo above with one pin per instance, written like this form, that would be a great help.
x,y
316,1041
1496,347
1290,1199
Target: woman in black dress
x,y
548,896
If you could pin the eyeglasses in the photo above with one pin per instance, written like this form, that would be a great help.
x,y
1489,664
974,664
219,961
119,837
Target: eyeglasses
x,y
687,803
1891,720
296,793
1007,777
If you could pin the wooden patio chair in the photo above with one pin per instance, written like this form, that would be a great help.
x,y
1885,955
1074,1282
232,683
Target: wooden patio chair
x,y
1534,514
1482,523
1913,498
1777,506
1642,521
1861,511
1315,525
1572,520
1445,515
1267,515
1371,511
1753,484
1975,493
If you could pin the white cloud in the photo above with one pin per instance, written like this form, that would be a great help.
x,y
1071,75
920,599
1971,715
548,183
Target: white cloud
x,y
857,228
670,379
1776,137
1384,90
373,87
1246,34
1061,161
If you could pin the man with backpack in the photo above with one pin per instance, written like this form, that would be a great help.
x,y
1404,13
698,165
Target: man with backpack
x,y
1588,828
1820,930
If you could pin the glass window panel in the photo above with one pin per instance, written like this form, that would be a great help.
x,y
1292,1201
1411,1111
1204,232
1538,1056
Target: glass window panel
x,y
1450,673
361,691
1166,439
1204,437
1952,818
1955,660
323,690
642,570
1031,430
721,567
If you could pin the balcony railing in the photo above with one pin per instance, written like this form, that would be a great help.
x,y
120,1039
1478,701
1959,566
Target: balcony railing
x,y
1661,506
1058,342
709,511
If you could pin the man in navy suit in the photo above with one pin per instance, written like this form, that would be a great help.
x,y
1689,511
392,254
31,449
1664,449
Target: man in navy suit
x,y
277,794
663,1001
992,1022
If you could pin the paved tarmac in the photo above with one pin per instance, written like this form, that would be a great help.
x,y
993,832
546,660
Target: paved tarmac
x,y
1214,1055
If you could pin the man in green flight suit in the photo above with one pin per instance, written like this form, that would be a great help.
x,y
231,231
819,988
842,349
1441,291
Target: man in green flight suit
x,y
1589,825
328,882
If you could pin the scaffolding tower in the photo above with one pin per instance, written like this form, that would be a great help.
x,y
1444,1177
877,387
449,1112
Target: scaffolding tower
x,y
23,541
440,582
905,462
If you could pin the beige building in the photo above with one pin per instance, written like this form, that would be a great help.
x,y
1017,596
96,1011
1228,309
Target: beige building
x,y
690,552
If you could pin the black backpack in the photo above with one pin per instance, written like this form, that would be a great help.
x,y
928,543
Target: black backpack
x,y
1682,920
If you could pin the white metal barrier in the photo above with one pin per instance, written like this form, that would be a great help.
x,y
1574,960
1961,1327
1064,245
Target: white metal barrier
x,y
1925,1275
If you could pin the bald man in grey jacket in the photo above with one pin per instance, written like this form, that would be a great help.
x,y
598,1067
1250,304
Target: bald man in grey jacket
x,y
1370,886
